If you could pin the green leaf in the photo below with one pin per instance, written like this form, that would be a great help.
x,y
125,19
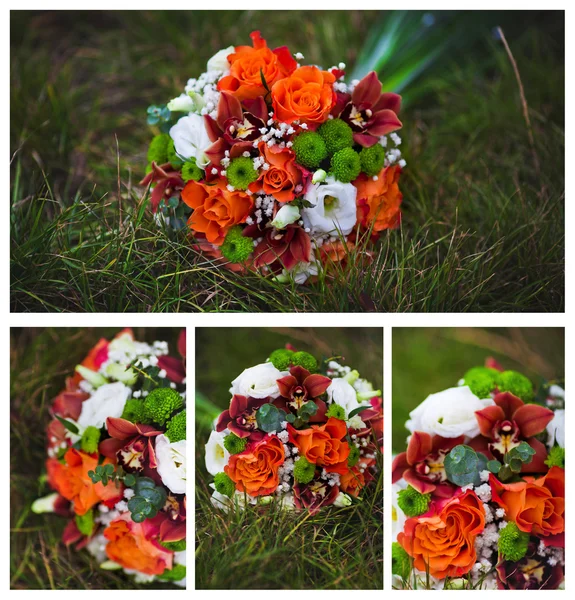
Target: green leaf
x,y
144,482
129,480
462,466
68,425
307,410
269,418
357,410
264,82
153,496
138,517
524,452
515,465
505,473
493,466
137,504
290,418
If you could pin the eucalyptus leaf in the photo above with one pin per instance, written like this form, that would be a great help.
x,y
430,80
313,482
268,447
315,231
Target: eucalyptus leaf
x,y
462,466
269,418
494,466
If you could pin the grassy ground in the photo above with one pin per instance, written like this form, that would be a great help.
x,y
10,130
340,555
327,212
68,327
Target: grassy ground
x,y
40,361
483,222
428,360
338,549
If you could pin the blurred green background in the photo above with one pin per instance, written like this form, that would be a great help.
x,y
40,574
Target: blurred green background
x,y
40,361
428,360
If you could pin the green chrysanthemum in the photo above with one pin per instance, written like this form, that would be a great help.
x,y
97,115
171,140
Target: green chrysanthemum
x,y
178,546
372,160
516,383
556,457
309,149
161,404
512,542
176,573
281,359
158,149
305,360
413,503
481,380
191,171
400,561
337,412
85,522
224,485
236,248
303,470
234,444
176,430
90,439
353,457
241,172
345,165
134,411
337,135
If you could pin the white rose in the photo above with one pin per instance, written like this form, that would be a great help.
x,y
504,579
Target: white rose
x,y
216,455
450,413
219,61
191,139
333,207
183,103
556,429
343,393
286,215
258,382
107,401
171,458
342,500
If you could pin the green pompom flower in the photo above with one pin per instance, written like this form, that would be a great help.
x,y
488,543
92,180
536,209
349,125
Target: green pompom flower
x,y
241,172
556,457
281,359
372,160
516,383
337,135
309,149
234,444
481,381
90,439
345,165
161,404
305,360
134,411
400,561
412,503
224,485
303,470
236,247
191,171
336,411
512,542
176,573
178,546
353,457
85,522
176,430
158,149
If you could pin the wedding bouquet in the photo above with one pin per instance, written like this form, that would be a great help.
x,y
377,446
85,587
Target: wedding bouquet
x,y
275,165
117,458
306,439
479,494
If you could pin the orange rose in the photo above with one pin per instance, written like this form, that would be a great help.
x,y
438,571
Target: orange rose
x,y
444,543
71,481
281,179
352,482
255,470
135,545
536,505
247,65
323,445
378,201
216,209
306,95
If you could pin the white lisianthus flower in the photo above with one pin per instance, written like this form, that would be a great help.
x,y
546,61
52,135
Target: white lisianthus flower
x,y
300,273
171,457
342,500
191,139
183,103
107,401
398,517
219,61
286,215
217,456
556,429
333,207
258,382
342,393
450,413
45,504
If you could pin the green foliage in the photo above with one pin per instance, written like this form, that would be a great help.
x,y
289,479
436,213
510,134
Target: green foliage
x,y
176,573
241,172
463,465
303,471
513,542
161,403
345,165
236,247
90,440
337,135
178,546
400,561
102,474
516,383
309,149
134,411
173,158
305,360
85,522
176,430
336,411
224,485
191,171
353,457
71,427
158,149
372,160
235,444
481,380
281,359
269,417
148,499
412,502
556,457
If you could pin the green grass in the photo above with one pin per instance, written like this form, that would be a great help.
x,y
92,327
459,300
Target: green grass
x,y
40,360
483,226
266,548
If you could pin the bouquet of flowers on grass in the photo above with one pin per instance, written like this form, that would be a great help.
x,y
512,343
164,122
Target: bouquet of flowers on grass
x,y
277,166
479,494
291,434
117,458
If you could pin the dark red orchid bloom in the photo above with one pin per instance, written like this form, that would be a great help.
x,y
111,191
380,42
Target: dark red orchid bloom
x,y
175,367
422,465
72,535
314,495
130,444
288,247
373,417
240,418
173,529
508,422
299,387
368,111
532,572
168,183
